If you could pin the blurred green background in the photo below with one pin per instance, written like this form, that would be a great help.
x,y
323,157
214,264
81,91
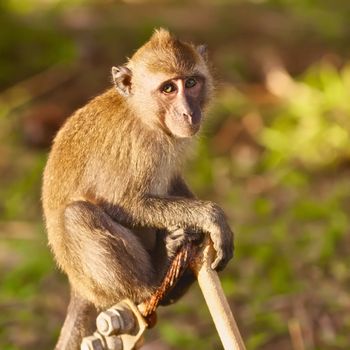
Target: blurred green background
x,y
275,154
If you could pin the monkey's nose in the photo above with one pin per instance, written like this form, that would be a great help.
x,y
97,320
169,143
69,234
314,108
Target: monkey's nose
x,y
188,116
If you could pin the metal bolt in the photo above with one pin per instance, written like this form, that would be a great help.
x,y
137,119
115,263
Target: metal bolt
x,y
114,343
116,320
91,343
109,322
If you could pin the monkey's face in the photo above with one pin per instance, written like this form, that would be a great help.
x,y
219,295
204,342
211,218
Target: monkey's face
x,y
180,103
171,102
167,82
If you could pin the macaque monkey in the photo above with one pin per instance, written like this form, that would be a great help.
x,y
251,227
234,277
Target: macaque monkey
x,y
116,206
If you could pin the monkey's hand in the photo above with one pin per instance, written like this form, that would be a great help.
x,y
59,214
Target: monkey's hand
x,y
177,237
221,236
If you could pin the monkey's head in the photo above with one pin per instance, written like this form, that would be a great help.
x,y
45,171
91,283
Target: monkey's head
x,y
167,82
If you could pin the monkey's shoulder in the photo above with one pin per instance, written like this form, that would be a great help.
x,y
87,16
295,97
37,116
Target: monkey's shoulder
x,y
99,109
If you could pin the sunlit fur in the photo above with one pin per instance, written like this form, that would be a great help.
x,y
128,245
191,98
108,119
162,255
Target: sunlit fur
x,y
166,54
164,57
112,189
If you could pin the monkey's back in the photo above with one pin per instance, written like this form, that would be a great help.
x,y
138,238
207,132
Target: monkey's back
x,y
75,165
81,141
104,153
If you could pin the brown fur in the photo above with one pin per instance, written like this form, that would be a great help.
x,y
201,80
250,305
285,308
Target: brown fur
x,y
112,189
79,323
167,54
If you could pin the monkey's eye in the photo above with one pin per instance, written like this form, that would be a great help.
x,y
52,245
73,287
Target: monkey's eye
x,y
168,88
190,82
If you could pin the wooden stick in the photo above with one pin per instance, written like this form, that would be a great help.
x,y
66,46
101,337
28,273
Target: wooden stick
x,y
218,306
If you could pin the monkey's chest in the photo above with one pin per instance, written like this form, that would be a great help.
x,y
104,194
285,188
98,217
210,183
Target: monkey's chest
x,y
160,183
159,188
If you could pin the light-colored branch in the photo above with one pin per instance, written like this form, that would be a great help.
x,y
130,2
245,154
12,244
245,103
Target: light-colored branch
x,y
218,306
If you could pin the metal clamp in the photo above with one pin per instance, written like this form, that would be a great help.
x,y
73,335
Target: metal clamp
x,y
119,328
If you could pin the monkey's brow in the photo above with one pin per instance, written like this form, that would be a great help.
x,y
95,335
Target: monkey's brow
x,y
194,74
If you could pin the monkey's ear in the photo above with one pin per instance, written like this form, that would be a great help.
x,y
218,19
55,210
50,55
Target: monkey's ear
x,y
122,79
203,51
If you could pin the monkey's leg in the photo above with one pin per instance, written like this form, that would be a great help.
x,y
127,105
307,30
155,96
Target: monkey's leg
x,y
105,261
79,322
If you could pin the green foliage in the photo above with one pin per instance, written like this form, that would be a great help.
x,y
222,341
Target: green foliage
x,y
21,279
17,201
312,126
288,202
180,338
23,297
36,44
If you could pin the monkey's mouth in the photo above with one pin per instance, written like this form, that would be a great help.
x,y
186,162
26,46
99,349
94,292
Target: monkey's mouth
x,y
195,128
180,125
187,130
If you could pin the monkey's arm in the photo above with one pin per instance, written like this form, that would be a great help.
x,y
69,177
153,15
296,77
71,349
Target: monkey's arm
x,y
173,211
188,213
179,188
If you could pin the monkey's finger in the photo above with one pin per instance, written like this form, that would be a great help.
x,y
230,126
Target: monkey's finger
x,y
218,260
223,255
195,236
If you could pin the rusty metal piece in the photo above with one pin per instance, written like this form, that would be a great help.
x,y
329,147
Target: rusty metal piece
x,y
177,268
